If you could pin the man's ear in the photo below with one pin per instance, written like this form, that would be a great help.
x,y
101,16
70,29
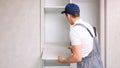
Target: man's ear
x,y
69,16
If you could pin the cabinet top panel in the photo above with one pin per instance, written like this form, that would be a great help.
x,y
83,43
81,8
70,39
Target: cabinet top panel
x,y
56,2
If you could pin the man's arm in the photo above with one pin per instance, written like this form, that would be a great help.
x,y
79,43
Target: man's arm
x,y
75,57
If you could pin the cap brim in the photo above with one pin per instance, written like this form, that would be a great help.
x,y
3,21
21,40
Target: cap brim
x,y
63,12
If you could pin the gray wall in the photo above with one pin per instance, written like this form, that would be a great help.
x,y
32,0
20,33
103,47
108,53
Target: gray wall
x,y
113,34
19,33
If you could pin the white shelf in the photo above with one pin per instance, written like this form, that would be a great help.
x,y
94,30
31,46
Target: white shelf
x,y
56,2
58,9
54,7
52,51
57,67
78,1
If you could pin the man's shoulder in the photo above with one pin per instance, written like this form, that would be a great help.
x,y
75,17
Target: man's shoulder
x,y
78,30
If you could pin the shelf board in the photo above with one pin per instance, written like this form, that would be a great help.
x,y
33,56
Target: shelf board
x,y
57,66
52,51
54,7
75,1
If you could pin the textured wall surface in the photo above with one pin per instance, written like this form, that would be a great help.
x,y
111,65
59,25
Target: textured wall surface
x,y
113,34
19,33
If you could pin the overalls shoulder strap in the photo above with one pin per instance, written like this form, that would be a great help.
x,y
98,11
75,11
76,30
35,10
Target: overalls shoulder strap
x,y
88,29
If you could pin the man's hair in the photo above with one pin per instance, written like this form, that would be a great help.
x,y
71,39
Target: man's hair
x,y
74,16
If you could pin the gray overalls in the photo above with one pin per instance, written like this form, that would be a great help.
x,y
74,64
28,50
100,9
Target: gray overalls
x,y
93,60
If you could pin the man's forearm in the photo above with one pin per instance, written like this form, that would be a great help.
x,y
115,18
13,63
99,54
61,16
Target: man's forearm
x,y
72,59
75,57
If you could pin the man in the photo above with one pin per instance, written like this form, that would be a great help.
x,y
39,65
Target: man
x,y
84,53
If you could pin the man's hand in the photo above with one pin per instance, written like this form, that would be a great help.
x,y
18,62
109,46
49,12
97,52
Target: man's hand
x,y
60,59
76,55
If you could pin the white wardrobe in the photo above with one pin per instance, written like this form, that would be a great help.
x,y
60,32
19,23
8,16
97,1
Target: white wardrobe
x,y
55,28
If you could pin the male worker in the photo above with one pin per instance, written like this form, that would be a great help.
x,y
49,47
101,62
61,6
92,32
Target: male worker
x,y
84,52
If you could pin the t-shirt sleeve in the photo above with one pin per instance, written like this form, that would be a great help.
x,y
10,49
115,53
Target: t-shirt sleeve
x,y
74,37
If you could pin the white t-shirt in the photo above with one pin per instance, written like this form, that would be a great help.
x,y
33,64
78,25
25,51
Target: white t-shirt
x,y
80,36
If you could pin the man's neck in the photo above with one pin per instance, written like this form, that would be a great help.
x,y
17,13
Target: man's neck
x,y
75,19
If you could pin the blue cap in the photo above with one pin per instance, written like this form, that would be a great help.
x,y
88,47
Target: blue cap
x,y
71,8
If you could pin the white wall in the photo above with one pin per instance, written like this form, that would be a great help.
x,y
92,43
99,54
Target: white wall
x,y
19,33
113,34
